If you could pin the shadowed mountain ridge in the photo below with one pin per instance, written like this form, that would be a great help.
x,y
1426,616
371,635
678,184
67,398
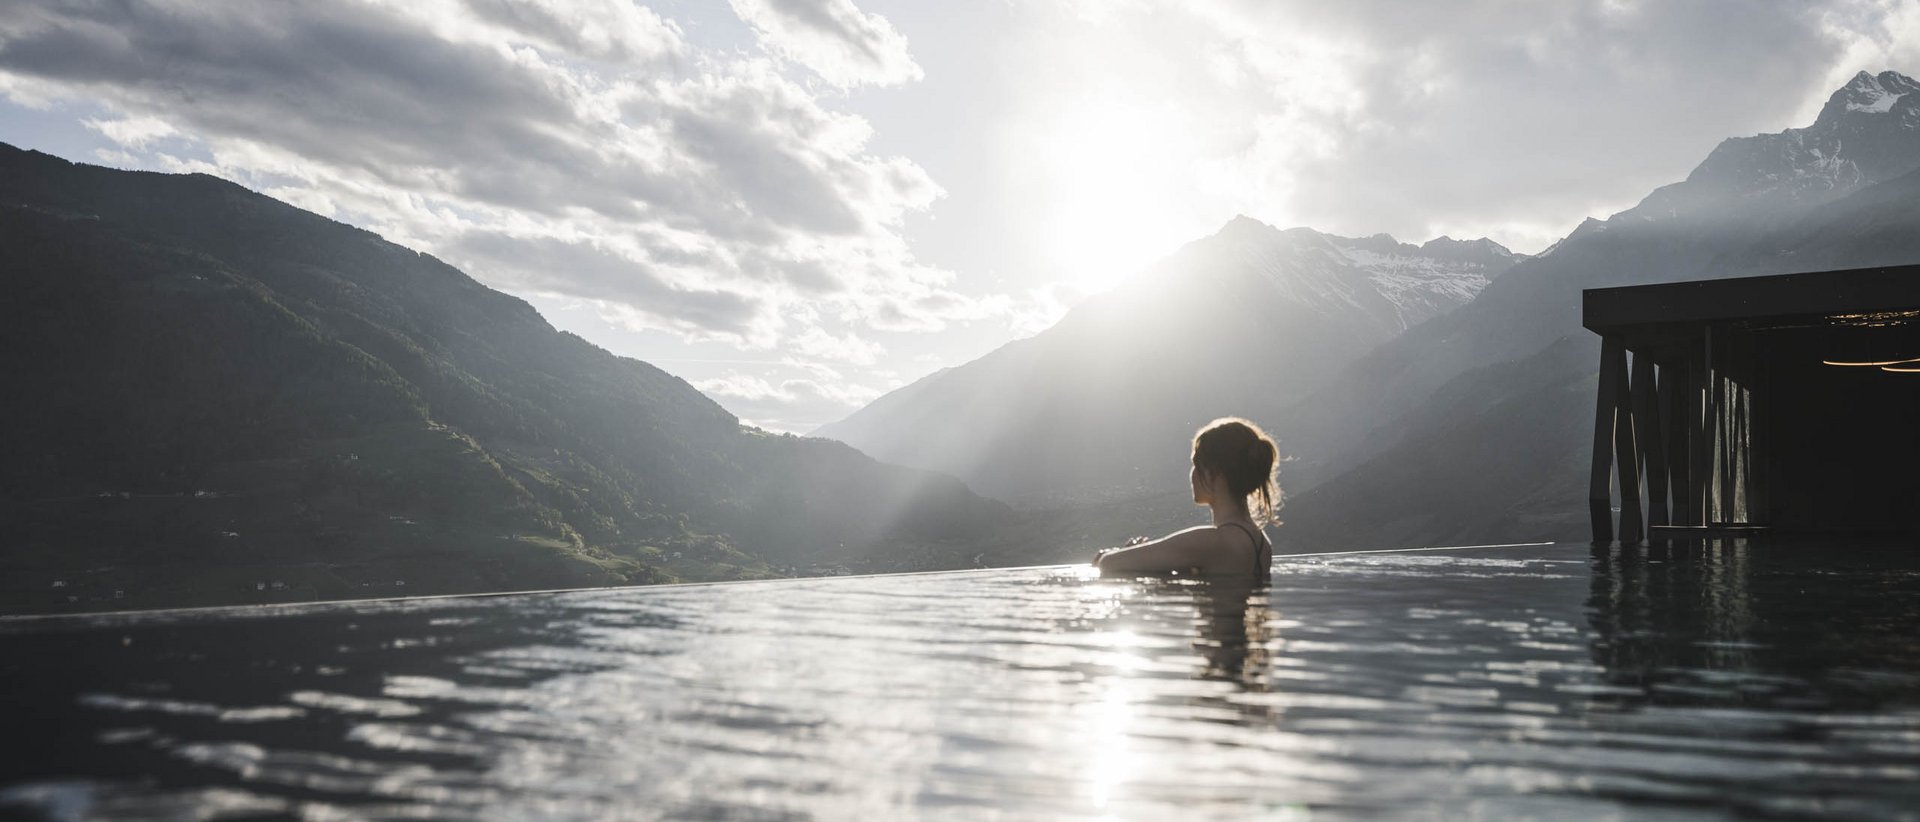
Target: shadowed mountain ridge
x,y
219,391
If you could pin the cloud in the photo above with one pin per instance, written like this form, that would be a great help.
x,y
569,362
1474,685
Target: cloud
x,y
848,348
833,38
574,148
793,404
1416,119
609,30
749,387
694,192
132,132
1484,116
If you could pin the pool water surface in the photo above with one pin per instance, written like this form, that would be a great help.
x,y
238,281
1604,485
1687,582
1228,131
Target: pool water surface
x,y
1551,681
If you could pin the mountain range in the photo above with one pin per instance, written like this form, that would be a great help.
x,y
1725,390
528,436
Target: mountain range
x,y
1099,406
215,397
1476,427
1464,424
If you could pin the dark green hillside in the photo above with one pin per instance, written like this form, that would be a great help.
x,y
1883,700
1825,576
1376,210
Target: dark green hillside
x,y
207,389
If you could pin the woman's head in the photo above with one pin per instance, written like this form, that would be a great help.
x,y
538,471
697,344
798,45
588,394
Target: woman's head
x,y
1237,453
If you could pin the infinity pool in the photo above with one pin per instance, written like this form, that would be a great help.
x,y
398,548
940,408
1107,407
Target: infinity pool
x,y
1504,682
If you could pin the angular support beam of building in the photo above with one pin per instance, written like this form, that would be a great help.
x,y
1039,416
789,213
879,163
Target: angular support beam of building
x,y
1599,494
1676,385
1626,451
1700,434
1650,437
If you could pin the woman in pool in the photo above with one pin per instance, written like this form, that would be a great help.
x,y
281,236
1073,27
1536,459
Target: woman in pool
x,y
1233,461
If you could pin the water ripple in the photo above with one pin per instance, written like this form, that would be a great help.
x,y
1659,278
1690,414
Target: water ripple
x,y
1537,682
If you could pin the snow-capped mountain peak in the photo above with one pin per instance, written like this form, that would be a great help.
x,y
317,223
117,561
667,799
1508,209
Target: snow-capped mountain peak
x,y
1869,94
1421,281
1868,132
1395,284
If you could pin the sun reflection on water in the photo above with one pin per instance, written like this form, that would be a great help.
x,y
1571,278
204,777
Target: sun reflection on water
x,y
1493,683
1111,759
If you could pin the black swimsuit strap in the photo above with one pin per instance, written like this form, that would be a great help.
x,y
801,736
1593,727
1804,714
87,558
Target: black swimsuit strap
x,y
1259,541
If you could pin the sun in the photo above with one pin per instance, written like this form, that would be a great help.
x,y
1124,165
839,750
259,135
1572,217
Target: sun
x,y
1112,172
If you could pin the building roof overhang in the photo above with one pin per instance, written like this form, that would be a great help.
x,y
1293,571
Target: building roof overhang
x,y
1651,313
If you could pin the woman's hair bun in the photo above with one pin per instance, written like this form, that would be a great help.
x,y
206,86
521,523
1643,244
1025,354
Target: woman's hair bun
x,y
1238,450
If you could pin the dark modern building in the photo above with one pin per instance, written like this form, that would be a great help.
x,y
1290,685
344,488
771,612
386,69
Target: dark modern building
x,y
1781,404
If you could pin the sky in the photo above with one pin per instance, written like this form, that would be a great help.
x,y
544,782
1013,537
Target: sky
x,y
798,205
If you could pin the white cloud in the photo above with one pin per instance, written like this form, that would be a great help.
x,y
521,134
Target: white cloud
x,y
577,148
1140,128
847,348
1513,120
689,191
836,40
616,31
751,387
132,132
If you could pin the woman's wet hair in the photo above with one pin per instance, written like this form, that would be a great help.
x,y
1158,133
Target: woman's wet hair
x,y
1238,450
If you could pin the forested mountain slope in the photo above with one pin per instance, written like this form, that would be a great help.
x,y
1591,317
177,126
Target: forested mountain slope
x,y
213,396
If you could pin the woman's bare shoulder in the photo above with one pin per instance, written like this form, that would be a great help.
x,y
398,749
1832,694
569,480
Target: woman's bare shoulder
x,y
1201,547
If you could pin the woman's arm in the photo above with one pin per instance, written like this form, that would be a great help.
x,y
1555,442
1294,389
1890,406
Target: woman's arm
x,y
1196,547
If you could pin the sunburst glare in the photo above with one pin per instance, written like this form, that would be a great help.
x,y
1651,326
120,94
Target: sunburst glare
x,y
1109,164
